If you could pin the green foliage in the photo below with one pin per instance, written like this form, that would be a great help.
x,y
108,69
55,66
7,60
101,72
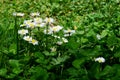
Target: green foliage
x,y
97,34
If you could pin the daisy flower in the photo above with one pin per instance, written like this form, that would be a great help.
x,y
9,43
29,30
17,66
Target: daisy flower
x,y
68,32
100,59
49,20
23,31
47,31
31,25
34,42
27,38
59,42
53,49
37,20
64,40
56,28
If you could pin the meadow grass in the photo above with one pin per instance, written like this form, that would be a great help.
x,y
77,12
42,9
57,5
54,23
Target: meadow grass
x,y
93,53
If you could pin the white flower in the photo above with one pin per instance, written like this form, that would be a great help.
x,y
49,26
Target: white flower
x,y
41,25
27,21
56,28
47,31
22,25
64,40
37,20
22,32
27,38
67,35
18,14
68,32
56,36
100,60
34,42
35,14
31,25
59,42
49,20
53,49
98,36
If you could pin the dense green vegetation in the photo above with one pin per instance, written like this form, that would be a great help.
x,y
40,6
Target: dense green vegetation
x,y
97,34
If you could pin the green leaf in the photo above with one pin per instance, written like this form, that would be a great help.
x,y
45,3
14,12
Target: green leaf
x,y
11,26
106,70
49,53
59,60
3,71
16,70
38,73
117,54
77,63
14,63
84,40
90,33
104,33
12,48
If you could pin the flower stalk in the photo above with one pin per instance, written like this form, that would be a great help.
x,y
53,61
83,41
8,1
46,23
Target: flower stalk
x,y
16,36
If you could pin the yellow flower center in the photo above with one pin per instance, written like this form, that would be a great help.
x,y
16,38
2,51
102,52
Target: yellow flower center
x,y
23,31
49,20
69,30
33,41
54,28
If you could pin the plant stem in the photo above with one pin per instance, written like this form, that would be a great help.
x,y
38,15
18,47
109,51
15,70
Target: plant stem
x,y
16,36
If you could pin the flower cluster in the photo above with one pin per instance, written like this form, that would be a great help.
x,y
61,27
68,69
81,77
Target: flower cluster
x,y
48,28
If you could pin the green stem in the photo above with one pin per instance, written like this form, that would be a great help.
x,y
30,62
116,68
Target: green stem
x,y
16,36
47,36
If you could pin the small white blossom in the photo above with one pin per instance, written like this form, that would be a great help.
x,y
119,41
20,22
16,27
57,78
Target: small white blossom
x,y
56,28
100,60
35,14
56,36
68,32
98,36
64,40
22,25
49,20
53,49
22,32
18,14
34,42
59,42
65,35
31,25
41,25
47,31
27,21
27,38
37,20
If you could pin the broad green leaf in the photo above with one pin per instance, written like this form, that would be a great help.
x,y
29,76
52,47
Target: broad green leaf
x,y
77,63
3,71
38,73
16,70
104,33
106,70
14,63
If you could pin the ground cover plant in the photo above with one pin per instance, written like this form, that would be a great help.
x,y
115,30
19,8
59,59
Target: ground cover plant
x,y
59,40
